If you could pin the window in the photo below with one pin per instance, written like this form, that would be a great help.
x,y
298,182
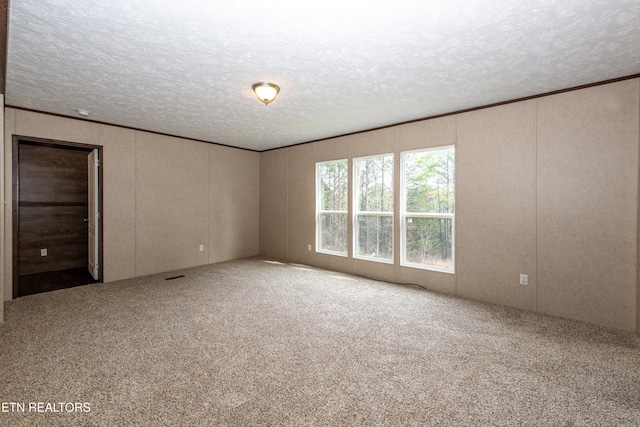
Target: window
x,y
373,208
332,195
427,208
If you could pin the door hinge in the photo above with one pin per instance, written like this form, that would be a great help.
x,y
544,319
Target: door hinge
x,y
98,163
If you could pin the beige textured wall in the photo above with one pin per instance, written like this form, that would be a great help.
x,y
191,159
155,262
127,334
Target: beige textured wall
x,y
234,203
545,187
7,241
171,208
273,202
587,204
163,196
119,199
496,229
2,212
301,227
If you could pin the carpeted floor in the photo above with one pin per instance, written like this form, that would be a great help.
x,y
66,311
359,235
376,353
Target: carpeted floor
x,y
256,343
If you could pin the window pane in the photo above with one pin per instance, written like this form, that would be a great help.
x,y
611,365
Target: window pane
x,y
333,232
374,184
375,236
429,241
429,180
333,181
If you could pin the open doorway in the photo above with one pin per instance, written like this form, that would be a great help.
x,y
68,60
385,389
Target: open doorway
x,y
57,226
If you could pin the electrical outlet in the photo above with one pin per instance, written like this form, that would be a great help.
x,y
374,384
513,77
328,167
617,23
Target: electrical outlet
x,y
524,279
201,248
309,248
43,252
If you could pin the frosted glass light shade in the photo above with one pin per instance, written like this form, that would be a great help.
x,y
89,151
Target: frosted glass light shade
x,y
265,91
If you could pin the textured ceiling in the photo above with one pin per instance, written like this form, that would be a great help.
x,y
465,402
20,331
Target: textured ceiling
x,y
186,67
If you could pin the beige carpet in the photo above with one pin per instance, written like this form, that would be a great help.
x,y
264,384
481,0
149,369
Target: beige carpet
x,y
256,343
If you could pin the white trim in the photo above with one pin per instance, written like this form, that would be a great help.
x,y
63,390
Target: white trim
x,y
334,253
428,215
370,213
429,267
374,259
332,212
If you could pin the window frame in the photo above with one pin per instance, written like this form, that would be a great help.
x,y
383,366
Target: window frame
x,y
357,212
320,212
404,215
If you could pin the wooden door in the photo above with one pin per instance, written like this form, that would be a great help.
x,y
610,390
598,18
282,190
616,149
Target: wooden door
x,y
50,201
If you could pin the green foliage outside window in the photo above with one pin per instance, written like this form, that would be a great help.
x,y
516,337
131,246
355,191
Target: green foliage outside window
x,y
374,196
333,181
429,185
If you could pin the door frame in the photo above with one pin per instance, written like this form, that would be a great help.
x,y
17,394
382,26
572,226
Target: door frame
x,y
15,192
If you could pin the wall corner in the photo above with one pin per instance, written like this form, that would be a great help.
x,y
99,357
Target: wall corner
x,y
638,222
2,210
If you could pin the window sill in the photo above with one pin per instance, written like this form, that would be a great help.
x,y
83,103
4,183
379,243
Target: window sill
x,y
428,267
325,252
375,259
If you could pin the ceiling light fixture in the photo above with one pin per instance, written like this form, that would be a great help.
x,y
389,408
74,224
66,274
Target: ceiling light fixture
x,y
265,91
82,112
